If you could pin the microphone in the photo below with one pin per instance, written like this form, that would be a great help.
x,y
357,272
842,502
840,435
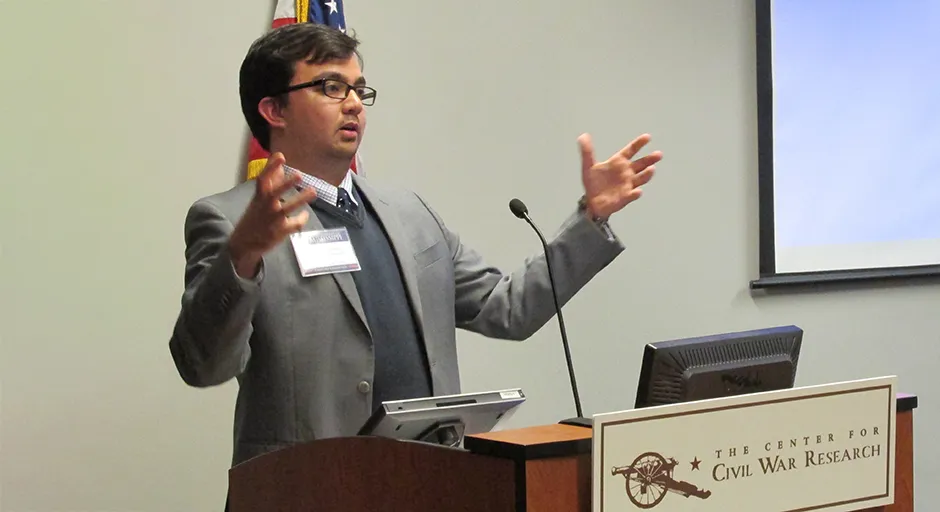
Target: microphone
x,y
519,209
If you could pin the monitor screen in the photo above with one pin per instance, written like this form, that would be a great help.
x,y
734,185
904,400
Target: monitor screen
x,y
719,365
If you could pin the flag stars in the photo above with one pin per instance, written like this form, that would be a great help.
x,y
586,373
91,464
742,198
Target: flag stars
x,y
332,5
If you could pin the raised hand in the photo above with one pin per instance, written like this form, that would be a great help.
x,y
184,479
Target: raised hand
x,y
267,220
616,182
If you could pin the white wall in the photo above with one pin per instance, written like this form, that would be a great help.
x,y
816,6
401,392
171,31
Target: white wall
x,y
117,115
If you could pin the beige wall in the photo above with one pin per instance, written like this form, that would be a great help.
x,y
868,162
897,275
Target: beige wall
x,y
117,115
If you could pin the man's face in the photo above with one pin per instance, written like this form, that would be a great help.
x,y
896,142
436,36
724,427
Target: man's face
x,y
327,127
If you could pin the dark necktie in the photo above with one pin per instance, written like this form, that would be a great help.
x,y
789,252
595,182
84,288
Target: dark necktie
x,y
344,202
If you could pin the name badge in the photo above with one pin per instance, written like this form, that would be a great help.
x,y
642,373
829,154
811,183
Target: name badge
x,y
324,251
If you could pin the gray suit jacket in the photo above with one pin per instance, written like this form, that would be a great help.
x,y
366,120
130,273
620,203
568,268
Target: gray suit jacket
x,y
301,347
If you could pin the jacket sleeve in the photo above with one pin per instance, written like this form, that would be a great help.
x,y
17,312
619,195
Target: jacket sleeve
x,y
209,343
515,305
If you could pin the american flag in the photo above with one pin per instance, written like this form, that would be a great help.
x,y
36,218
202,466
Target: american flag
x,y
329,12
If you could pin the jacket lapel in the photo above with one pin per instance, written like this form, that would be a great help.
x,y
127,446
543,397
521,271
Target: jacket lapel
x,y
398,239
343,279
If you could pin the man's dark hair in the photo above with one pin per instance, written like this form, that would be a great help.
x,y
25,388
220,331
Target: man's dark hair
x,y
269,65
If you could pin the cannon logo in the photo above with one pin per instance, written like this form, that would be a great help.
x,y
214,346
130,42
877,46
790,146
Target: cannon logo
x,y
650,477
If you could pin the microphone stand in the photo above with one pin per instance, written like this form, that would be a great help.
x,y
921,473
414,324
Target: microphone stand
x,y
521,211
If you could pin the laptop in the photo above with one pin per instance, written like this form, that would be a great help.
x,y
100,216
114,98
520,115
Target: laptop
x,y
443,419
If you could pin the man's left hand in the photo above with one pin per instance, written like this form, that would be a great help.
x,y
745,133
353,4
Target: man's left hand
x,y
616,182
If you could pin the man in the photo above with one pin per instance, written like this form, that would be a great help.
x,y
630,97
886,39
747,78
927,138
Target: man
x,y
314,355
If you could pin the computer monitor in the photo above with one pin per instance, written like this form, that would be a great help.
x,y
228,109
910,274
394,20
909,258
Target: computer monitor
x,y
718,366
443,419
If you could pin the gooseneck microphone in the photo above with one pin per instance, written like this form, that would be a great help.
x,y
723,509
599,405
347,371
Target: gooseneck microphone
x,y
519,209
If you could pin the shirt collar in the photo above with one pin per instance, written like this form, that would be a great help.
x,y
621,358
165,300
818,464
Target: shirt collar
x,y
325,190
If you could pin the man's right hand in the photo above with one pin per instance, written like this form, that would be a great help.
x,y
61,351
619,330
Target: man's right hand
x,y
267,219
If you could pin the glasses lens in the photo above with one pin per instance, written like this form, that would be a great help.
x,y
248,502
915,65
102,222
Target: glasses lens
x,y
340,90
334,89
366,95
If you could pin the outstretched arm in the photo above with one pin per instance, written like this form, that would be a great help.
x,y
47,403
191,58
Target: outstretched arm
x,y
224,270
516,305
210,339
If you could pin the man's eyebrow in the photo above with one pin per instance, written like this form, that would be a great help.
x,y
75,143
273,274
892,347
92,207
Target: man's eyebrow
x,y
333,75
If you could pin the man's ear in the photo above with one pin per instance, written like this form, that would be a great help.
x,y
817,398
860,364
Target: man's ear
x,y
272,110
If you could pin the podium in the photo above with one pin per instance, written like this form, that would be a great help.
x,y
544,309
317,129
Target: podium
x,y
534,469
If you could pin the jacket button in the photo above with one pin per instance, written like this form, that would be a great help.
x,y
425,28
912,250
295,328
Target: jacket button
x,y
364,387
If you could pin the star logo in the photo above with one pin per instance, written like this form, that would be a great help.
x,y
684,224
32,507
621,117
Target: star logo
x,y
695,462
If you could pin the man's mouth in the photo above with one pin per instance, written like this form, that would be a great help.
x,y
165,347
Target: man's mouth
x,y
350,128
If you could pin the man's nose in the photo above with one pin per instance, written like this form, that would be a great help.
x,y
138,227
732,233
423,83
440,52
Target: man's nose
x,y
352,103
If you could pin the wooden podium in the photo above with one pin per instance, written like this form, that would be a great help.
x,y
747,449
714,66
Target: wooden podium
x,y
543,468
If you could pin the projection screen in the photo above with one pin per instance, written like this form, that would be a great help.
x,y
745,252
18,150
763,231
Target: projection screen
x,y
848,140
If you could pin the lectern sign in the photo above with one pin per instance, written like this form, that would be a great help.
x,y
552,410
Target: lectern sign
x,y
828,447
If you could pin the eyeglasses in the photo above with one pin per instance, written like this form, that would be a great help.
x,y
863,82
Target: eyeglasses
x,y
337,89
